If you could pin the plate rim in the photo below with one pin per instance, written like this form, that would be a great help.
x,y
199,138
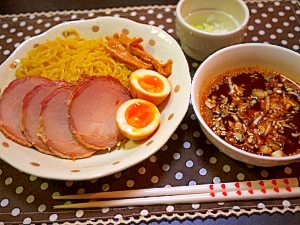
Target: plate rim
x,y
183,106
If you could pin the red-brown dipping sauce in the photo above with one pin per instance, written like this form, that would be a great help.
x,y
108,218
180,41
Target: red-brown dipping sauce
x,y
254,109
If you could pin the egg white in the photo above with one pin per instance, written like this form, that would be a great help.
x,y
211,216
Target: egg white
x,y
131,132
138,92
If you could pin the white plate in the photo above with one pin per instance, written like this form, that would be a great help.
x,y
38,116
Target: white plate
x,y
172,111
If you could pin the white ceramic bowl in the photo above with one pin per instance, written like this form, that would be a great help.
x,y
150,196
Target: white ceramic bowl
x,y
156,42
269,56
199,44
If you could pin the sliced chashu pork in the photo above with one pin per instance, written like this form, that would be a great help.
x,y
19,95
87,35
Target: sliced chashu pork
x,y
54,127
92,111
30,114
10,107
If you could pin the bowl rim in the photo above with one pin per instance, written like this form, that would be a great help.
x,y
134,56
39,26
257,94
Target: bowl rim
x,y
132,152
236,30
194,98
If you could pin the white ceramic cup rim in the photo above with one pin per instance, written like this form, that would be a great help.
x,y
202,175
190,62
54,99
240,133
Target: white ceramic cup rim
x,y
243,24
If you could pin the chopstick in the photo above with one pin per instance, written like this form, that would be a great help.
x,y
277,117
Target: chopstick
x,y
197,189
261,189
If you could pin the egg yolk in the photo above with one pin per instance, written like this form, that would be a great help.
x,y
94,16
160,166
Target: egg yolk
x,y
139,114
151,84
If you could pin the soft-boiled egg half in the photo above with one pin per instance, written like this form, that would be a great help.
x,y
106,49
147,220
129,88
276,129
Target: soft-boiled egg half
x,y
149,85
137,118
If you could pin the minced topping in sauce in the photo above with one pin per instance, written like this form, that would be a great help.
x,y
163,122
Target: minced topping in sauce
x,y
256,110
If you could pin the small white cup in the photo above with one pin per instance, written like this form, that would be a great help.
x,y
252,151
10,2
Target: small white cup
x,y
199,44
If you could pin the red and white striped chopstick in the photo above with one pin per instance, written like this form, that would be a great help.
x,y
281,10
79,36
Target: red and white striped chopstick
x,y
262,189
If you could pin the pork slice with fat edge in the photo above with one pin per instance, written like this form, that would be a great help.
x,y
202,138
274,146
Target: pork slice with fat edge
x,y
92,111
10,107
30,114
54,126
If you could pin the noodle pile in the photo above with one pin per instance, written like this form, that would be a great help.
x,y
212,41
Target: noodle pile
x,y
68,58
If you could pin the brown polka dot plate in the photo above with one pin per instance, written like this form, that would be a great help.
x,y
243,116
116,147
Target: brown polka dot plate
x,y
156,42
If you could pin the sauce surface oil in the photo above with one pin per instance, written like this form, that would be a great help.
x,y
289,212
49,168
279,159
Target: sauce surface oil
x,y
254,109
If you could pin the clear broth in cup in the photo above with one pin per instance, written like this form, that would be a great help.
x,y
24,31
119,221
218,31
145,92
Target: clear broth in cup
x,y
211,21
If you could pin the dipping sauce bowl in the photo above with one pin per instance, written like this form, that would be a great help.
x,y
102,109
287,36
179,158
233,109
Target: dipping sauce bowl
x,y
266,56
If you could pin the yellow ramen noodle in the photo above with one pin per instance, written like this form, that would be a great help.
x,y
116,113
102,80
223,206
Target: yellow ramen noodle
x,y
70,57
